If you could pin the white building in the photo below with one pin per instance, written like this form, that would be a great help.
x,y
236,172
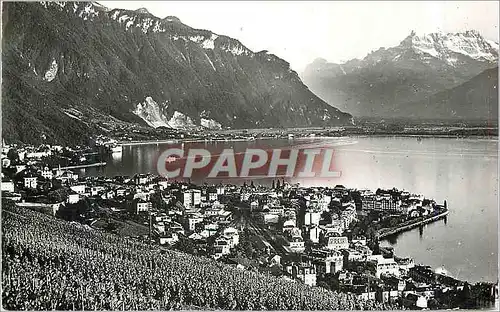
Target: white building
x,y
192,221
304,273
163,184
312,218
191,198
221,190
354,255
288,225
30,182
254,205
143,206
359,240
8,186
223,244
277,210
141,179
80,188
245,196
95,190
38,155
212,196
296,244
413,300
73,198
337,243
170,238
5,162
385,266
271,218
324,202
314,234
233,235
47,173
335,263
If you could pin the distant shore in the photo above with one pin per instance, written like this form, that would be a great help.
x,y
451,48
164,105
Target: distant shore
x,y
173,141
251,139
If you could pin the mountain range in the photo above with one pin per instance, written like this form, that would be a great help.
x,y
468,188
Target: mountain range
x,y
72,70
448,76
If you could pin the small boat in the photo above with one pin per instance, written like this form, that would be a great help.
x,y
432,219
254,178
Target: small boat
x,y
116,148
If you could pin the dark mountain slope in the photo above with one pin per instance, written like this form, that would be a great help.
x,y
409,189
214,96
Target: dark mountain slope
x,y
474,99
73,69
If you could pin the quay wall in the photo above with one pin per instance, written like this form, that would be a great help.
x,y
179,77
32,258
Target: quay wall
x,y
410,226
99,164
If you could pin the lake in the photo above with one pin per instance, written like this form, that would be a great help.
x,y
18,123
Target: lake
x,y
464,172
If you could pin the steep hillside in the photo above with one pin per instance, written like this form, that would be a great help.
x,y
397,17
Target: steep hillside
x,y
418,67
42,256
474,99
72,69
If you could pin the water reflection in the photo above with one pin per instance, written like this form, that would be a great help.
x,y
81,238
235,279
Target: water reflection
x,y
117,157
392,239
463,172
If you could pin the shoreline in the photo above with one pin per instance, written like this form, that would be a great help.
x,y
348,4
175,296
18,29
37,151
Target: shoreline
x,y
174,141
493,138
99,164
411,226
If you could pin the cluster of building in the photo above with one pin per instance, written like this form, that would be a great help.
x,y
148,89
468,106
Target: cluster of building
x,y
317,223
170,210
307,232
395,201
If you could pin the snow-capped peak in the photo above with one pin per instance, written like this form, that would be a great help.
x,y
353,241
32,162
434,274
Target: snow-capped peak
x,y
443,46
84,10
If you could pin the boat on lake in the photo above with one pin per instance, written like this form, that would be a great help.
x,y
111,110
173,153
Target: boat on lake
x,y
116,148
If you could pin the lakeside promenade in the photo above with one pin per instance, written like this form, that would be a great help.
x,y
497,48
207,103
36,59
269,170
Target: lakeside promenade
x,y
382,233
99,164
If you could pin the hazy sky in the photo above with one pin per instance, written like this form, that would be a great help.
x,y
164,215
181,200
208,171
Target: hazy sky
x,y
299,32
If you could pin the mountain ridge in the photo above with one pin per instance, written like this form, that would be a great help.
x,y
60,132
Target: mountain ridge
x,y
418,67
104,69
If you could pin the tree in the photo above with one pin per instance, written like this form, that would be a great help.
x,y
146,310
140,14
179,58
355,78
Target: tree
x,y
186,245
12,155
465,296
73,212
57,195
327,217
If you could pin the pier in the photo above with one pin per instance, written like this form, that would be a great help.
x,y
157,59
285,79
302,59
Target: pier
x,y
169,141
386,232
99,164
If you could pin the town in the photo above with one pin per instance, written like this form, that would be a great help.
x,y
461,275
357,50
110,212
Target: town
x,y
320,236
